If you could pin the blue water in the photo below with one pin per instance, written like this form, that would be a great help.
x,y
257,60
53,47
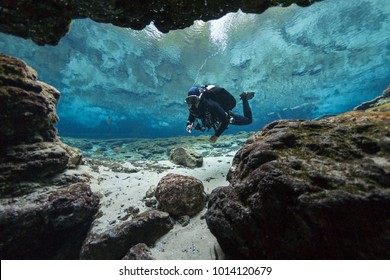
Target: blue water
x,y
301,62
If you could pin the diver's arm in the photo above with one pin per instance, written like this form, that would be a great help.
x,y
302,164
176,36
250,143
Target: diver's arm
x,y
190,123
191,118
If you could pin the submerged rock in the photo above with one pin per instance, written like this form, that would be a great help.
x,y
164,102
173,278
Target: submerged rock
x,y
44,213
180,195
181,156
29,146
34,161
50,224
140,251
113,244
27,106
308,190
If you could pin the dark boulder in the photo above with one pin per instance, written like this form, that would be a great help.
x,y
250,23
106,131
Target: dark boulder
x,y
139,251
47,224
114,243
308,190
180,195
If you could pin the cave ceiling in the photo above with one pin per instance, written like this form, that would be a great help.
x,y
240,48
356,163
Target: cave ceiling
x,y
47,21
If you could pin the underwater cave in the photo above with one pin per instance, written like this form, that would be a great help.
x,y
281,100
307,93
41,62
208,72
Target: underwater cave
x,y
86,144
302,62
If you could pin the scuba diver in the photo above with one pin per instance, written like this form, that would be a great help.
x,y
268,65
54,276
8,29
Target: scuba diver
x,y
212,105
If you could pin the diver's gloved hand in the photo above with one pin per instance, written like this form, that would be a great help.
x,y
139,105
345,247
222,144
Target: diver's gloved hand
x,y
248,95
213,139
190,127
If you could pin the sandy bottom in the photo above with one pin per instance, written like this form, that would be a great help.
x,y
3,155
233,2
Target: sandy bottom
x,y
122,187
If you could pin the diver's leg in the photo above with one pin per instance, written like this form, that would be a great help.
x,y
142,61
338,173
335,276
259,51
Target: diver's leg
x,y
237,119
247,109
247,118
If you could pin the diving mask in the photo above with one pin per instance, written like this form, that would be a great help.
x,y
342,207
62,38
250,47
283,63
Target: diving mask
x,y
192,100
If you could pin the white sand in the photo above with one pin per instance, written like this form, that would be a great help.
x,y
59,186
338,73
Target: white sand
x,y
121,191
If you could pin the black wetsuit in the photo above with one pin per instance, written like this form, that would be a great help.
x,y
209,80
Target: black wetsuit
x,y
211,114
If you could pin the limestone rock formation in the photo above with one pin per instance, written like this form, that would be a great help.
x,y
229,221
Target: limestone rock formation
x,y
44,214
180,195
33,161
29,146
49,224
181,156
27,105
46,22
113,244
309,190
